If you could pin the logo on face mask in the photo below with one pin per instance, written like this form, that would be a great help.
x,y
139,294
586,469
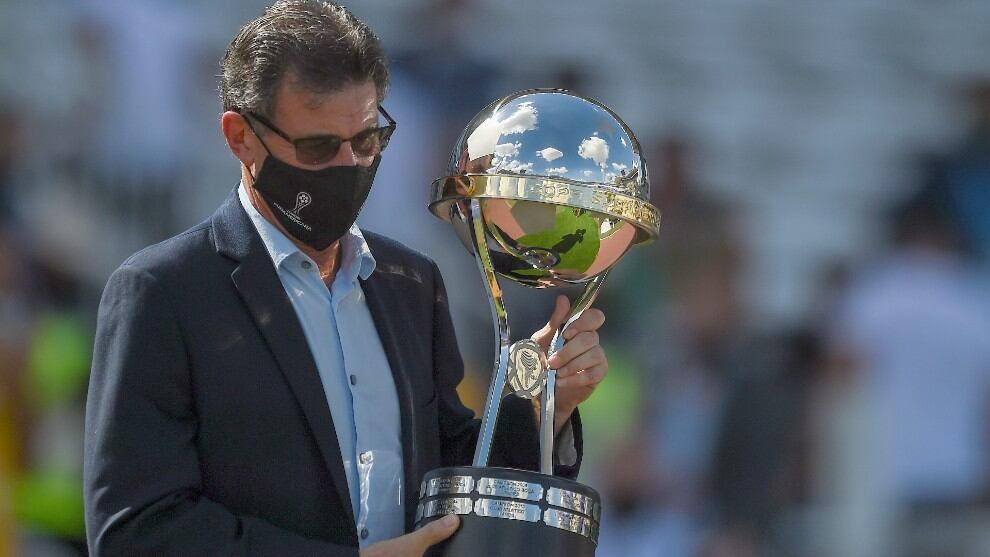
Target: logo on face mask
x,y
302,200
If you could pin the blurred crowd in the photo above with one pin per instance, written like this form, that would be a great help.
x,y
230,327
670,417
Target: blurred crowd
x,y
800,365
863,430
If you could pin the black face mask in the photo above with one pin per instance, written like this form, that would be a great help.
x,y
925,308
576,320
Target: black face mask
x,y
315,206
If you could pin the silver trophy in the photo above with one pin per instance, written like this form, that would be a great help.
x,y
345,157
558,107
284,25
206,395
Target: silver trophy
x,y
546,188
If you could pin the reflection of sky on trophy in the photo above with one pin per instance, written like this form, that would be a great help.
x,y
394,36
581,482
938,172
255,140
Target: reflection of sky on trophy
x,y
550,154
594,148
523,119
508,149
484,140
560,139
514,166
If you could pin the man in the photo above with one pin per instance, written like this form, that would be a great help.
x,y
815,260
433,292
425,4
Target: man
x,y
276,381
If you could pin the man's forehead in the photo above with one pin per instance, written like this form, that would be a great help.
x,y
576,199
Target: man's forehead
x,y
352,97
350,105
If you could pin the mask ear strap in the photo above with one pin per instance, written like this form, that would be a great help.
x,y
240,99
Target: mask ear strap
x,y
263,144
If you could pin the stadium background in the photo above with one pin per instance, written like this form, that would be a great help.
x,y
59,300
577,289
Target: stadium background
x,y
798,367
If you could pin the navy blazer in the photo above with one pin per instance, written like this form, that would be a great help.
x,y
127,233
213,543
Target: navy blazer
x,y
207,428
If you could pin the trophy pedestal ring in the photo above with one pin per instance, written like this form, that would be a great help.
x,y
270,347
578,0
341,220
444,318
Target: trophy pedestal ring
x,y
510,512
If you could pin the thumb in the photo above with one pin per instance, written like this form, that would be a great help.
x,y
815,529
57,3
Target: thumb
x,y
557,318
437,531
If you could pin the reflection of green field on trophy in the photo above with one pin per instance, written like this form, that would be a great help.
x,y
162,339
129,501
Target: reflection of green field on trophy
x,y
574,237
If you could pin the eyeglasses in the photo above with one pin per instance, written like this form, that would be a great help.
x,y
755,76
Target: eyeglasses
x,y
323,148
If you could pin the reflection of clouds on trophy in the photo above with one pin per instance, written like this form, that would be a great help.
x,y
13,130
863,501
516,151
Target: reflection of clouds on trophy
x,y
550,154
594,148
514,166
507,149
484,138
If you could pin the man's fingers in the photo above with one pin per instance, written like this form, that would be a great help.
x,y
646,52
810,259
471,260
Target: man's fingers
x,y
557,318
577,345
586,360
436,531
561,306
586,378
591,320
416,543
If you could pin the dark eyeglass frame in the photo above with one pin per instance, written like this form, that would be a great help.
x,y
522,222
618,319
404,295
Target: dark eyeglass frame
x,y
323,148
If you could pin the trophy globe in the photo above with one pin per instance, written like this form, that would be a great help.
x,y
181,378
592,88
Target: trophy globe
x,y
561,182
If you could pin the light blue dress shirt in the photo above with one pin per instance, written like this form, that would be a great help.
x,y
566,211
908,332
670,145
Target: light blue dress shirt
x,y
356,376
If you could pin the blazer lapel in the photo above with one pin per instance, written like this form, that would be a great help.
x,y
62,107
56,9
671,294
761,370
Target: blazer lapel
x,y
262,291
381,298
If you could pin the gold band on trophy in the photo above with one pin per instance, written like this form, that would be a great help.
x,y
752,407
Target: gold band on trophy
x,y
596,198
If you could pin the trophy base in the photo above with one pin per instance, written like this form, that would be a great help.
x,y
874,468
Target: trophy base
x,y
508,512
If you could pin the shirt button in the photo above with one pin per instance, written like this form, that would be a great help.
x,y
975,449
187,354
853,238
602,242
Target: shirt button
x,y
365,457
365,533
306,264
353,379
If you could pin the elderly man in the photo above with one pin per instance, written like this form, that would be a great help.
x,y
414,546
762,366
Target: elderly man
x,y
276,381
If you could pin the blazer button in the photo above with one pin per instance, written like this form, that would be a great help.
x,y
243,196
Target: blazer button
x,y
364,533
365,457
353,379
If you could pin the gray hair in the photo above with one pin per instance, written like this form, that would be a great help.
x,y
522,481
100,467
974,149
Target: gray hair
x,y
321,45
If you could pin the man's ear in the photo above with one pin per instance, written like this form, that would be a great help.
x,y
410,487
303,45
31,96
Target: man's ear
x,y
239,137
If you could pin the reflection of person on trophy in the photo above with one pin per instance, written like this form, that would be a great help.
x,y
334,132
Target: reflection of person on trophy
x,y
568,241
277,381
545,188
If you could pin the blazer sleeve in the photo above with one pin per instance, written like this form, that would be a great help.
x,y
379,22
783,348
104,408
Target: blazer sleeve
x,y
516,443
141,473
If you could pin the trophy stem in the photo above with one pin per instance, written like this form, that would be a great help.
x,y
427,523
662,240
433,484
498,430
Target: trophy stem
x,y
501,322
549,402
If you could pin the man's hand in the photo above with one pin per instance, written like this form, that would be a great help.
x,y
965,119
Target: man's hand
x,y
416,543
581,364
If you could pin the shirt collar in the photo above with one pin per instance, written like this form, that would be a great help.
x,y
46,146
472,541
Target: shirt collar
x,y
357,260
